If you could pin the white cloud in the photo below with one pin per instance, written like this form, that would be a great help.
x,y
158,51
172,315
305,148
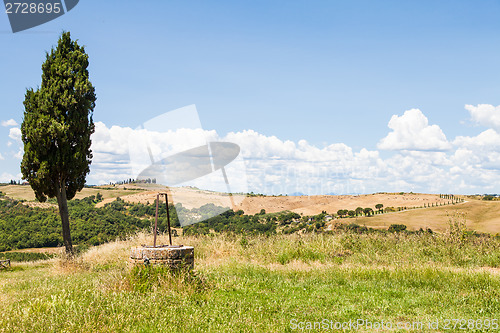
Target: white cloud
x,y
9,123
489,139
412,131
485,114
423,160
15,134
272,165
5,177
1,157
256,145
19,154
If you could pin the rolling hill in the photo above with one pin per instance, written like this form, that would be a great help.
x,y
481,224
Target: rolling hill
x,y
483,216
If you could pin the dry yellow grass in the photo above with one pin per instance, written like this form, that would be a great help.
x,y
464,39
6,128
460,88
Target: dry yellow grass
x,y
483,216
214,252
188,197
315,204
24,192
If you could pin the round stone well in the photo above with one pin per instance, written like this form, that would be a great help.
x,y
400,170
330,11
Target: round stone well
x,y
173,256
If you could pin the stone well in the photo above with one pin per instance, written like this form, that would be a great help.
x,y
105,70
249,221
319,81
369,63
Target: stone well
x,y
173,256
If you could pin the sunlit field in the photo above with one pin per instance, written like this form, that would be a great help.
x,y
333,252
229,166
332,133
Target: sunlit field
x,y
280,283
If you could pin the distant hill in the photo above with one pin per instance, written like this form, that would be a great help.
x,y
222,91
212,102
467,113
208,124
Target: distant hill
x,y
481,215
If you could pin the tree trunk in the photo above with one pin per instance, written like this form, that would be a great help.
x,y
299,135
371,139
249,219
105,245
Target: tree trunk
x,y
62,201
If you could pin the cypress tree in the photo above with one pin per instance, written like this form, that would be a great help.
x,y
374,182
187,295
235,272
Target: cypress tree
x,y
57,126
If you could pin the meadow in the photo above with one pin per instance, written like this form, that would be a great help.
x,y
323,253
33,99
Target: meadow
x,y
276,283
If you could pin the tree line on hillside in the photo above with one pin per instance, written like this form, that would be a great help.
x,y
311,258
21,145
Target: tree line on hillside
x,y
30,227
26,227
360,211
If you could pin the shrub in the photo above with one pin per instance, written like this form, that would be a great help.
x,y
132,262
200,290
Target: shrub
x,y
397,228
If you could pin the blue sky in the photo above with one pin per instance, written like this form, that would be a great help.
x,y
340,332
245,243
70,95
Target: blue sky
x,y
327,76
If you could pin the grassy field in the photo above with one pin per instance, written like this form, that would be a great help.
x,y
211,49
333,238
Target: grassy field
x,y
263,284
24,192
483,216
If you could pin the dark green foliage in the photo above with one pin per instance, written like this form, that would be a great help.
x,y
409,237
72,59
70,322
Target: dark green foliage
x,y
319,225
342,212
229,221
149,210
57,126
368,211
397,228
288,230
58,123
95,226
353,227
286,218
25,227
319,217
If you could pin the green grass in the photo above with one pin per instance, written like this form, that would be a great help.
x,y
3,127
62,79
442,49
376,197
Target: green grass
x,y
259,285
25,256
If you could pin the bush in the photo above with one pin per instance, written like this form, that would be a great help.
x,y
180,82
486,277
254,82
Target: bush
x,y
397,228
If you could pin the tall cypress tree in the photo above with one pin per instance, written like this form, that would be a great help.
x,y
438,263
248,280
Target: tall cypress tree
x,y
57,126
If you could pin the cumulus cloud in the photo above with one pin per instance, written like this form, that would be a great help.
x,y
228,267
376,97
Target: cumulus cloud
x,y
412,131
422,159
485,114
9,123
15,134
121,152
489,139
272,165
6,177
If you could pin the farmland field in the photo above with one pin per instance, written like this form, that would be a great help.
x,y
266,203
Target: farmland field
x,y
482,216
260,284
269,282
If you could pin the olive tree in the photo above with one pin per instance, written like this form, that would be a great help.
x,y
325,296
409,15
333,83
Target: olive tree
x,y
57,126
